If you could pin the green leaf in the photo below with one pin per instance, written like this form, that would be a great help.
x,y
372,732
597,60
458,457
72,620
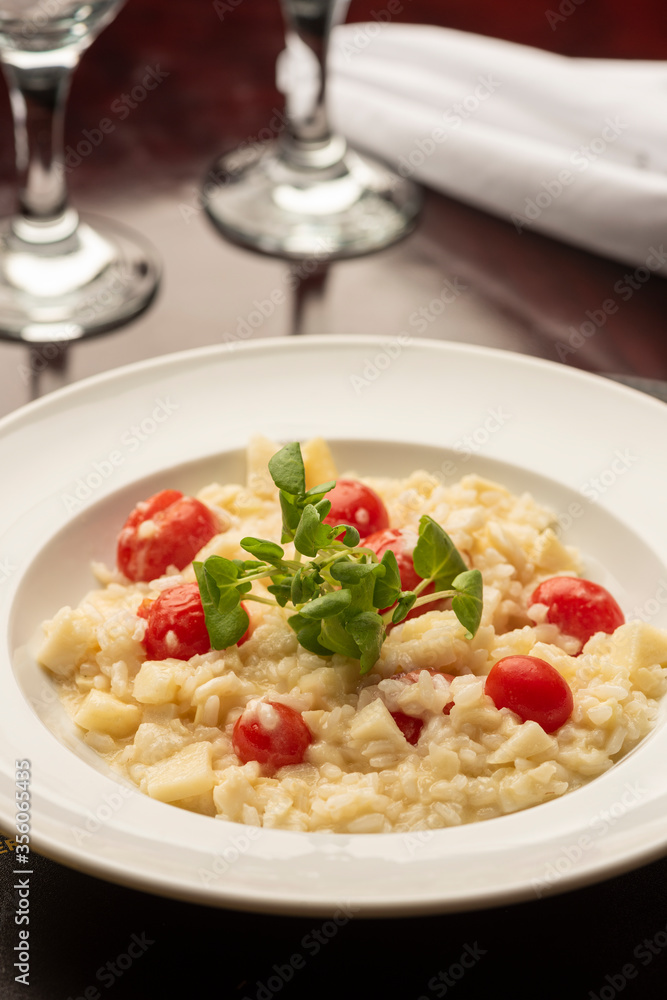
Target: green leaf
x,y
467,604
291,517
387,582
327,606
309,638
268,552
307,633
224,571
281,588
208,588
287,471
348,572
311,535
404,606
226,621
435,556
362,596
226,574
315,493
304,586
351,536
322,507
334,635
368,632
296,622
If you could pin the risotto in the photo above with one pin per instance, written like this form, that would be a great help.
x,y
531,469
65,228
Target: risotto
x,y
420,740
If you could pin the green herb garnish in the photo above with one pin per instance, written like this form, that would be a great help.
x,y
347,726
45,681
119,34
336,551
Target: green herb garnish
x,y
339,592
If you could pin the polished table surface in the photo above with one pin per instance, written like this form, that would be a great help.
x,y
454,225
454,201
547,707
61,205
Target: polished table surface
x,y
520,292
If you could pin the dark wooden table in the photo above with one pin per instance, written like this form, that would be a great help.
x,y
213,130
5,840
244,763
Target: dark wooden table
x,y
522,292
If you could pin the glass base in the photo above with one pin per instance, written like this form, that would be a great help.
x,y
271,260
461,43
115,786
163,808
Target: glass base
x,y
327,202
93,280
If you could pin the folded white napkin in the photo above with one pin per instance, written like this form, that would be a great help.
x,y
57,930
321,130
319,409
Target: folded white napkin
x,y
576,148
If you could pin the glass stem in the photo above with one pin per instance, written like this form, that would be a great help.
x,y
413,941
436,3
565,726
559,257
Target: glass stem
x,y
38,92
311,22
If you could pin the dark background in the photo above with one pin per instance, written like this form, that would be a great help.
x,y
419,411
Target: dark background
x,y
526,292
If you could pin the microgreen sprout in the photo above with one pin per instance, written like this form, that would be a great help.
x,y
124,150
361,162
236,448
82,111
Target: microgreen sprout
x,y
342,596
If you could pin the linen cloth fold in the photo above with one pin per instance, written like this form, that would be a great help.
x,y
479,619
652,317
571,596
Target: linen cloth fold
x,y
575,148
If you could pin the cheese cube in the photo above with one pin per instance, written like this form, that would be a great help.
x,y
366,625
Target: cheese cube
x,y
156,683
187,772
105,713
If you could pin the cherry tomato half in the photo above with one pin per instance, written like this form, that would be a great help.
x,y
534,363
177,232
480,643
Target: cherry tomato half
x,y
579,608
402,542
533,689
176,624
272,734
355,503
167,529
411,725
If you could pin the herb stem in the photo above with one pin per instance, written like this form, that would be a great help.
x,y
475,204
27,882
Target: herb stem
x,y
422,586
439,595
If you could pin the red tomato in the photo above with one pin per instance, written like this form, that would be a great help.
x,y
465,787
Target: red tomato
x,y
355,503
410,725
178,528
144,609
533,689
272,734
402,542
578,607
176,624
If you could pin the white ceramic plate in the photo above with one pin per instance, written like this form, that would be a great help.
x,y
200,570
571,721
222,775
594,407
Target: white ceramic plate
x,y
75,462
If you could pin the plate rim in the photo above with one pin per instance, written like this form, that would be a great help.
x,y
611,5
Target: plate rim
x,y
36,410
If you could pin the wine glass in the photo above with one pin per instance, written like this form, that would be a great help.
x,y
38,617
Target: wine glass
x,y
307,194
60,278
